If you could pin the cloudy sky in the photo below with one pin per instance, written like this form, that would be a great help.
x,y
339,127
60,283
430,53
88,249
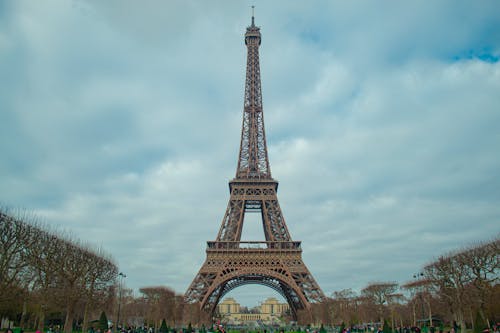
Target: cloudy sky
x,y
120,123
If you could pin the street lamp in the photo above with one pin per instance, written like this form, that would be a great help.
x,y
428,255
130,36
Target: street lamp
x,y
121,276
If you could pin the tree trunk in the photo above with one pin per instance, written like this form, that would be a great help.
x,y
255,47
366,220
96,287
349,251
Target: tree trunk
x,y
85,317
471,316
483,315
68,324
381,314
430,313
414,314
41,318
392,320
461,321
23,315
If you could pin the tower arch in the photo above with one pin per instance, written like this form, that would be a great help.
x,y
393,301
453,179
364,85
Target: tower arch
x,y
274,279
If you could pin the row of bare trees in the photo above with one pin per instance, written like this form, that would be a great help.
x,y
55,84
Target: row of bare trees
x,y
375,302
42,272
158,303
461,287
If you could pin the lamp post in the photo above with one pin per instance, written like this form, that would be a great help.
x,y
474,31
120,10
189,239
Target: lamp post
x,y
120,282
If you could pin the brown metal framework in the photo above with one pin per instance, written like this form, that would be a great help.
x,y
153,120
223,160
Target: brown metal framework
x,y
275,262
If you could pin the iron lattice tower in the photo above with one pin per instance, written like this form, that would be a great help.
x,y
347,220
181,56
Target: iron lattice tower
x,y
275,262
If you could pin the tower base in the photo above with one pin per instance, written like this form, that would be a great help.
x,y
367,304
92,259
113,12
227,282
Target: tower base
x,y
277,265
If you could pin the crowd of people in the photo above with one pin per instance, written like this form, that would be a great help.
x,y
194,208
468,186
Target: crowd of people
x,y
218,328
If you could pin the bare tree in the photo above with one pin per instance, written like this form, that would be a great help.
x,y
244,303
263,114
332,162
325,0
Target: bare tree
x,y
393,300
379,293
70,272
161,302
450,278
483,265
42,259
344,305
14,269
82,274
420,290
100,274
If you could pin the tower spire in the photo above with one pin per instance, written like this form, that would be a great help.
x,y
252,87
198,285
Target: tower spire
x,y
253,12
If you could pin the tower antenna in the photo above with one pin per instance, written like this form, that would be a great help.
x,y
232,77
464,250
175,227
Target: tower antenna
x,y
253,14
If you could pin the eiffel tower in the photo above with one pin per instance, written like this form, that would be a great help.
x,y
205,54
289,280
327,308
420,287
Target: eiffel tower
x,y
277,261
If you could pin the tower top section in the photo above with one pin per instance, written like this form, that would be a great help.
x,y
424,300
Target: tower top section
x,y
253,162
252,35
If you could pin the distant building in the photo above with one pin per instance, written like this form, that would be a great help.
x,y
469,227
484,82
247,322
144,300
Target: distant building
x,y
228,306
269,312
272,306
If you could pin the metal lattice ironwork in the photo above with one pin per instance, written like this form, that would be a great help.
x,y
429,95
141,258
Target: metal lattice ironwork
x,y
275,262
